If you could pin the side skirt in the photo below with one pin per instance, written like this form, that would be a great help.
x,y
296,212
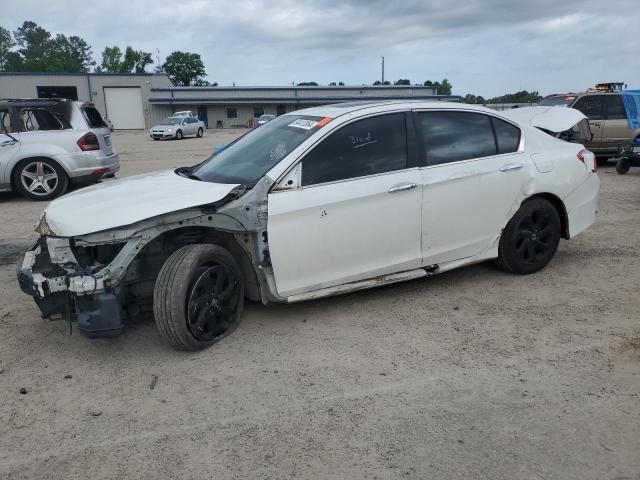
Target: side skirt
x,y
363,284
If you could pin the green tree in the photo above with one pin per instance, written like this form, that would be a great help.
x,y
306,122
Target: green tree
x,y
444,88
428,83
111,60
134,61
184,68
34,44
69,54
307,84
6,44
38,51
403,81
473,99
199,82
519,97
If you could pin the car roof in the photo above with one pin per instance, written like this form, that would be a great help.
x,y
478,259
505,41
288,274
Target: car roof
x,y
338,109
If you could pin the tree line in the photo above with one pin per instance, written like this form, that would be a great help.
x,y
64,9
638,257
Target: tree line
x,y
31,48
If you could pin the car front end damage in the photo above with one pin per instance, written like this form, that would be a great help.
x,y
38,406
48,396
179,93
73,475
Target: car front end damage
x,y
102,280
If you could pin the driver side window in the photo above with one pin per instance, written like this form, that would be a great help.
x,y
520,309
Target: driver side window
x,y
365,147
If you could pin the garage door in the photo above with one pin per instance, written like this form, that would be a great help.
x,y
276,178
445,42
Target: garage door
x,y
124,107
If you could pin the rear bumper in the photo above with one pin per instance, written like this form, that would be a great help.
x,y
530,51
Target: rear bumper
x,y
83,165
582,205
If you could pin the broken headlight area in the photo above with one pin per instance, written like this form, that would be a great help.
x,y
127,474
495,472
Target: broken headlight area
x,y
92,258
61,279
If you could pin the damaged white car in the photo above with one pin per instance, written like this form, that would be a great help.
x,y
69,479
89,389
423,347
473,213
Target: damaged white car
x,y
317,202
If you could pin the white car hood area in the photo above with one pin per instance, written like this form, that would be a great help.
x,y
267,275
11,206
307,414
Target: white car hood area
x,y
117,203
554,119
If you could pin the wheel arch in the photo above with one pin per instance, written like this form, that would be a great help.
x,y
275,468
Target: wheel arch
x,y
171,240
560,208
18,161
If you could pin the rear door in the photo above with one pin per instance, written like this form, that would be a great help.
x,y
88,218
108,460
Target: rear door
x,y
592,106
616,130
471,181
356,214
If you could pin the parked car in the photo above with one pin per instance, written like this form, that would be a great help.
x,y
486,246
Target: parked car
x,y
265,118
184,113
177,128
317,202
45,145
607,120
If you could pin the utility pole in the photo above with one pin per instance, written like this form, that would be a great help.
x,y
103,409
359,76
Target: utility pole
x,y
382,70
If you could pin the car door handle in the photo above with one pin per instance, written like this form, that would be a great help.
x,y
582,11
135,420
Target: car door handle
x,y
7,143
511,166
401,187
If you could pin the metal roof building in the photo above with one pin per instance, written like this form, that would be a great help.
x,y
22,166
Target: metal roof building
x,y
133,101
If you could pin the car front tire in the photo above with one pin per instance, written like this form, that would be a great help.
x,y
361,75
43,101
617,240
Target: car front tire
x,y
179,135
531,238
40,179
198,296
200,133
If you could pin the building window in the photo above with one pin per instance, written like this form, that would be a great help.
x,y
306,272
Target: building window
x,y
232,112
258,112
70,93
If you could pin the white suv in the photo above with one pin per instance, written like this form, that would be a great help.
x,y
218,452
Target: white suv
x,y
46,144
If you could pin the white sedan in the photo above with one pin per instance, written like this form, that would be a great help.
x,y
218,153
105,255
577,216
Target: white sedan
x,y
314,203
177,127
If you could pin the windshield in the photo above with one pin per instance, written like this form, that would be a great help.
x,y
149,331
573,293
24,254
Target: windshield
x,y
557,100
171,121
251,156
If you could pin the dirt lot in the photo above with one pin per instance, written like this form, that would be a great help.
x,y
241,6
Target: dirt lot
x,y
471,374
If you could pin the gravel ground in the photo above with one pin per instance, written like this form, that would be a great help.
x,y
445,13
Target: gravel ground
x,y
471,374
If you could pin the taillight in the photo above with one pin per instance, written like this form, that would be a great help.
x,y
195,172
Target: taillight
x,y
589,159
88,142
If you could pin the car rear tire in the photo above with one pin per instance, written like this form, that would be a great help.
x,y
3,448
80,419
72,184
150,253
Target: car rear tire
x,y
622,166
531,238
198,296
200,133
40,179
179,135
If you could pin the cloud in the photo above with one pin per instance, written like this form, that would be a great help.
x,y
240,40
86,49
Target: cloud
x,y
486,47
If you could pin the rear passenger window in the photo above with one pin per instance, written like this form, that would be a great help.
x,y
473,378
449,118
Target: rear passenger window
x,y
366,147
39,119
591,106
453,136
615,109
507,136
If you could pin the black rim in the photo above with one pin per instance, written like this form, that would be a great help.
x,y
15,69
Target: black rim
x,y
534,237
212,302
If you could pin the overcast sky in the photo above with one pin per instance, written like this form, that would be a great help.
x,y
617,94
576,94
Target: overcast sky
x,y
485,47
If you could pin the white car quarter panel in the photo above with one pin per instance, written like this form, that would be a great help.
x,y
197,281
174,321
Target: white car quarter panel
x,y
342,232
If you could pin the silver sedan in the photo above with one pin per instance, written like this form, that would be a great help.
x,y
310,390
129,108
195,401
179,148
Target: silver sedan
x,y
178,128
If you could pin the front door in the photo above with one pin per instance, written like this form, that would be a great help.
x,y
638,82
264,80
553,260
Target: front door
x,y
203,115
470,184
356,214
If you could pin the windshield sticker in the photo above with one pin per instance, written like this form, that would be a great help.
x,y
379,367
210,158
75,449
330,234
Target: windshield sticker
x,y
304,124
324,121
